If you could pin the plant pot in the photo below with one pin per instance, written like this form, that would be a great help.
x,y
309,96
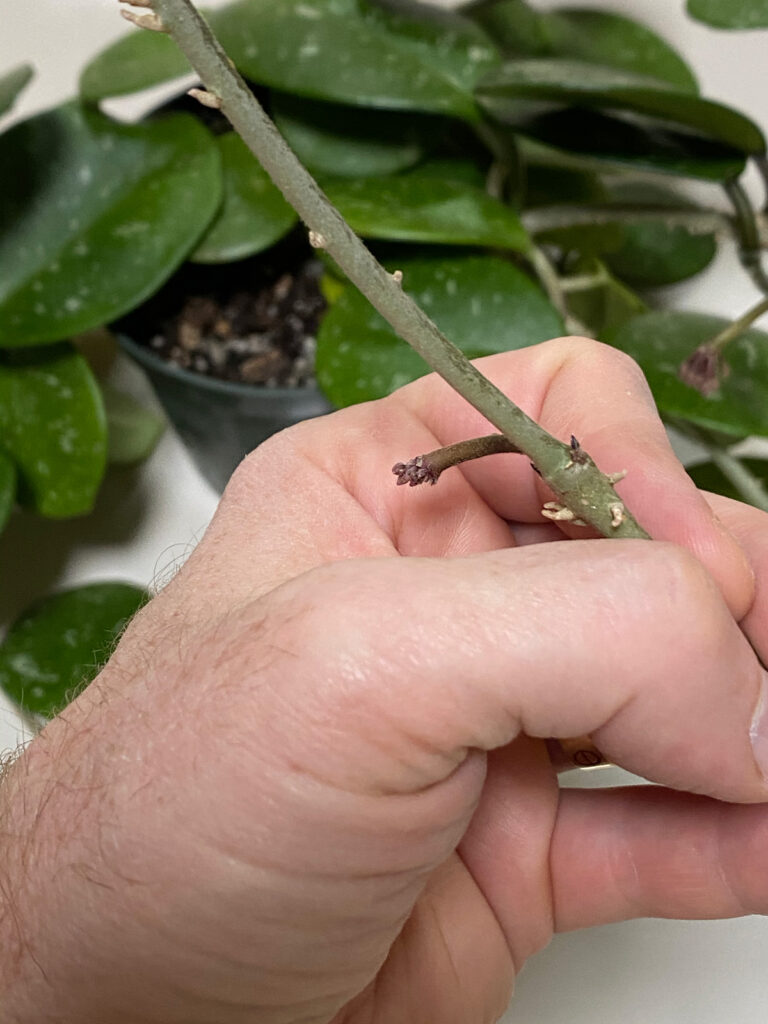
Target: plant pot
x,y
221,421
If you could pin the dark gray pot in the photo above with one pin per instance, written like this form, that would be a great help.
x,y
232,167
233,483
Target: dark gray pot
x,y
220,422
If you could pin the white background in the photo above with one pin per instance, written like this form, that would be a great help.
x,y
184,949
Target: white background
x,y
148,520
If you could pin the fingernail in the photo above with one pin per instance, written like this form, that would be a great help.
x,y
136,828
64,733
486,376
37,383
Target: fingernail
x,y
758,731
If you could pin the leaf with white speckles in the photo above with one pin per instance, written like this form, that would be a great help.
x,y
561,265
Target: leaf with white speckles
x,y
384,53
660,342
730,13
600,37
59,644
7,488
253,214
12,83
53,426
423,208
483,304
95,216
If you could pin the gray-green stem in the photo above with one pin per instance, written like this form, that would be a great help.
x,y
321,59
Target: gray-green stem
x,y
577,483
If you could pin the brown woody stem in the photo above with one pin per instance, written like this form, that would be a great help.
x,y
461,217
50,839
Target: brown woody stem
x,y
427,468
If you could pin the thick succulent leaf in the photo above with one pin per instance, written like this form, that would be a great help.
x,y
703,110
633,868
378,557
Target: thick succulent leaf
x,y
468,172
708,477
416,207
95,216
482,303
590,140
602,37
253,214
134,62
514,25
12,83
133,429
730,13
59,644
53,426
655,253
662,341
406,56
579,83
351,142
599,37
347,51
7,488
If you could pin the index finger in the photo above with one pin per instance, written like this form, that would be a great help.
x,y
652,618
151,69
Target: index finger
x,y
577,386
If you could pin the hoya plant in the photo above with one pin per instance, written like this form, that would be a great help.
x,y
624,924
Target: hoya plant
x,y
519,173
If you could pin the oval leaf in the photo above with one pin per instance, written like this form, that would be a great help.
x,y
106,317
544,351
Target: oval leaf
x,y
482,303
421,207
59,644
654,254
7,488
53,426
350,142
253,215
360,52
661,342
579,83
133,430
134,62
730,13
599,37
96,216
590,140
602,37
12,83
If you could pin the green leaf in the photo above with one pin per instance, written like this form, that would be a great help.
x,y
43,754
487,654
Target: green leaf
x,y
420,207
398,56
654,254
53,426
589,140
253,215
360,52
708,477
602,37
12,83
351,142
96,215
7,488
579,83
133,430
134,62
59,644
599,37
482,303
661,342
730,13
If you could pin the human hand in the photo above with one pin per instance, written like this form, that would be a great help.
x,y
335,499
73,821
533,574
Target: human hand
x,y
312,783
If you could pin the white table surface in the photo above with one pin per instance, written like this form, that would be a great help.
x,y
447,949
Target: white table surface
x,y
148,519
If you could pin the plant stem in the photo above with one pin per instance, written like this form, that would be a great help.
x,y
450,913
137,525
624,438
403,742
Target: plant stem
x,y
577,482
551,282
549,218
748,234
427,468
746,483
738,327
